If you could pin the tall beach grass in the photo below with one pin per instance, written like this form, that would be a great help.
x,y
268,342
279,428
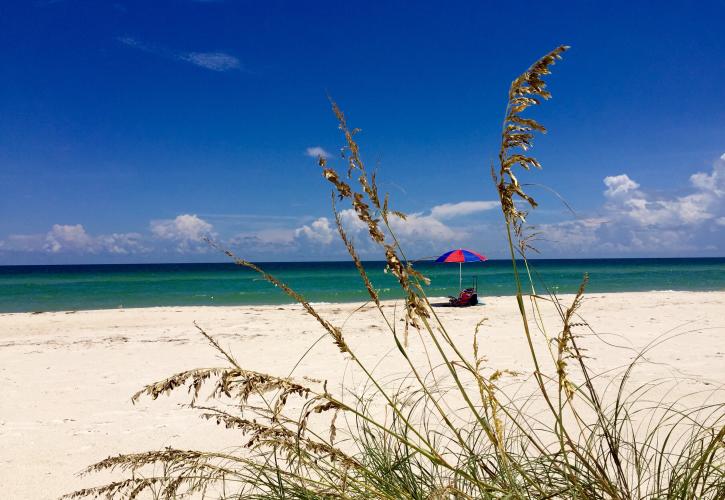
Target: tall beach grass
x,y
451,426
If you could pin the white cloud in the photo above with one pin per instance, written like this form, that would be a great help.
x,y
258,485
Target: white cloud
x,y
619,184
451,210
632,220
316,152
351,223
417,229
215,61
67,237
318,232
185,229
123,243
711,183
627,201
597,236
73,238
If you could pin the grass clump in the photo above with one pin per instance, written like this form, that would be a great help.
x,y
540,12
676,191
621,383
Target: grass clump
x,y
452,428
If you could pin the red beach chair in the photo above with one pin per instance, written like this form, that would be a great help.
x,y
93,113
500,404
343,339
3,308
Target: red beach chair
x,y
467,297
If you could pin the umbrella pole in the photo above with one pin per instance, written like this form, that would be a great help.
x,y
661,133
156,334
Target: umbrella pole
x,y
460,276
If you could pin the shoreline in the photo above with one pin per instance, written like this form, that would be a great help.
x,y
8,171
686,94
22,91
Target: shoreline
x,y
95,287
432,299
67,378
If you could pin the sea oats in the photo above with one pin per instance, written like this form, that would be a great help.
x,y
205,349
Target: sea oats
x,y
528,89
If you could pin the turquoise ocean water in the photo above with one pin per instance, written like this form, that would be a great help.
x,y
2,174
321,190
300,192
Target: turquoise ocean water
x,y
57,288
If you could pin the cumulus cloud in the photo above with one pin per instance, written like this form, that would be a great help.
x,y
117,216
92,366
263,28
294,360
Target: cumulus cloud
x,y
316,152
67,237
318,232
605,237
619,185
422,230
215,61
451,210
73,238
714,182
185,229
417,227
632,220
123,243
626,201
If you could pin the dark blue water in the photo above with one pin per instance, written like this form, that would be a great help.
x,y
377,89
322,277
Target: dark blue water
x,y
53,288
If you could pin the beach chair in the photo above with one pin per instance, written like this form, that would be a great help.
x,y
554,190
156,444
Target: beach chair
x,y
467,297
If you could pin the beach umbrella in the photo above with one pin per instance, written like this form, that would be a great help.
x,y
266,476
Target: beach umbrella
x,y
461,255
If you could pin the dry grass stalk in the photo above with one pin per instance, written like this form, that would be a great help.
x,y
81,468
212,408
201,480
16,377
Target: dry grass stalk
x,y
565,339
354,256
334,331
518,133
364,202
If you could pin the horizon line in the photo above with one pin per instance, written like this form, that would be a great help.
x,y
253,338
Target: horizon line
x,y
347,260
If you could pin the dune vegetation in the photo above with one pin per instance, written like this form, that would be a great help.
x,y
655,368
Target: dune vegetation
x,y
451,426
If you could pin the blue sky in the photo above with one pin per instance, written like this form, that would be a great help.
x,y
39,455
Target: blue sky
x,y
130,130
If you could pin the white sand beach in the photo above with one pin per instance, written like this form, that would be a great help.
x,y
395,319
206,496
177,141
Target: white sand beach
x,y
66,377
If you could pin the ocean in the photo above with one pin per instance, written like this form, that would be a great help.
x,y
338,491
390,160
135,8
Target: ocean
x,y
78,287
